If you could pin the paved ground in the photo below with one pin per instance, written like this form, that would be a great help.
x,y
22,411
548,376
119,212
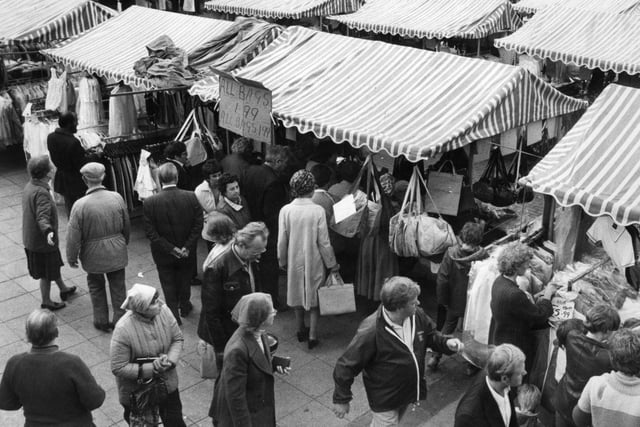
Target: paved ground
x,y
302,399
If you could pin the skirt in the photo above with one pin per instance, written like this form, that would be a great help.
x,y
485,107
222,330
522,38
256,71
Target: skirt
x,y
44,265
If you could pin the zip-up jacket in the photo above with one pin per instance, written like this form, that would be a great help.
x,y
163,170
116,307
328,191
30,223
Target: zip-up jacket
x,y
393,373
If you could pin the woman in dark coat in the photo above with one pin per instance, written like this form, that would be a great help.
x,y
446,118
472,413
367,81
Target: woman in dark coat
x,y
515,316
40,232
244,395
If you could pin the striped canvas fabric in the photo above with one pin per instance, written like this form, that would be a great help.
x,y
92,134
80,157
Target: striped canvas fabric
x,y
596,164
41,21
612,6
394,98
471,19
112,48
601,40
292,9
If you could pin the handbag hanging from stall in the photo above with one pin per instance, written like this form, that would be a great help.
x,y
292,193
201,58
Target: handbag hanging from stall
x,y
336,297
494,186
198,141
446,190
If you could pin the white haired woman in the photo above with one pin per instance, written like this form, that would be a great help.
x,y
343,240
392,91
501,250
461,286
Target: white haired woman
x,y
146,344
244,393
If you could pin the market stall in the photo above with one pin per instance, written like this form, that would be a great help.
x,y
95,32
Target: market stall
x,y
432,19
529,7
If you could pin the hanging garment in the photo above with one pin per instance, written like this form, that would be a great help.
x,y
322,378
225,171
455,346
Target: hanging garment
x,y
145,186
10,126
89,105
55,90
189,6
123,119
615,239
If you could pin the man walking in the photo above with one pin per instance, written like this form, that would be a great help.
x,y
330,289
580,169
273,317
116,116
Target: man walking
x,y
266,194
173,222
390,347
98,232
68,156
487,402
231,276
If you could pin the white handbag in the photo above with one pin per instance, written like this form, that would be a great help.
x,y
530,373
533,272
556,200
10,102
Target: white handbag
x,y
336,297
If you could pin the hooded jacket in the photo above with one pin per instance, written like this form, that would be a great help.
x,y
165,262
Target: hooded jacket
x,y
453,277
393,374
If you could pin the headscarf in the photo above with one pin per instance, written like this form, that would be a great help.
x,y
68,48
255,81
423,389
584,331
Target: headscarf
x,y
387,182
252,310
302,182
139,298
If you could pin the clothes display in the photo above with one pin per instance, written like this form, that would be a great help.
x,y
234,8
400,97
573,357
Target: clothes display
x,y
28,92
10,127
168,108
60,93
89,105
145,185
165,64
36,131
615,239
123,119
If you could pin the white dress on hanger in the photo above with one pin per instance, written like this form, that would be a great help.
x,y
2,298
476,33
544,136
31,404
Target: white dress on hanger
x,y
123,119
89,106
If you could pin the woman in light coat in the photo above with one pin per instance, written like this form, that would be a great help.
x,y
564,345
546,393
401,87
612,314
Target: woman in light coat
x,y
305,251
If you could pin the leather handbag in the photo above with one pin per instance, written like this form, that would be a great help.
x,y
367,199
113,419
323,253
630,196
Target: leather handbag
x,y
336,297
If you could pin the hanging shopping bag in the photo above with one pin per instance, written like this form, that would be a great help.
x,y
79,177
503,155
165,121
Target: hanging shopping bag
x,y
445,189
208,367
434,235
403,225
494,186
336,297
353,224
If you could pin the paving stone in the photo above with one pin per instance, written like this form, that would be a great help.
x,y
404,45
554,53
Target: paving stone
x,y
314,379
19,306
8,336
312,414
196,400
10,289
14,269
357,407
89,353
68,338
28,283
288,398
77,308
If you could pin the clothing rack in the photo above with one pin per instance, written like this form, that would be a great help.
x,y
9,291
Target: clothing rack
x,y
136,92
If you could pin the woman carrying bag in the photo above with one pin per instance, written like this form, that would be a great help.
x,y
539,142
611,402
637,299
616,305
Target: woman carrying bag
x,y
305,251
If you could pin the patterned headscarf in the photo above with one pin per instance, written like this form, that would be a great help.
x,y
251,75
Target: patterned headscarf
x,y
139,298
387,181
302,182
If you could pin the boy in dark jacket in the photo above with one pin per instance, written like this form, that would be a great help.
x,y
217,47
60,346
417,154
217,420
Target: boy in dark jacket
x,y
453,280
389,347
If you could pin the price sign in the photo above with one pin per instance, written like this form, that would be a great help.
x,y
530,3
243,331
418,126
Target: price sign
x,y
563,311
245,107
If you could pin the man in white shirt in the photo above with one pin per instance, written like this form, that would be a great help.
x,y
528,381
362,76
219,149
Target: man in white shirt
x,y
487,402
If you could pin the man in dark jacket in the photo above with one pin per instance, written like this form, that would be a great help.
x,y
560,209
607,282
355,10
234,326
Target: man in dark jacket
x,y
232,275
68,156
266,194
453,280
390,347
176,153
487,402
173,222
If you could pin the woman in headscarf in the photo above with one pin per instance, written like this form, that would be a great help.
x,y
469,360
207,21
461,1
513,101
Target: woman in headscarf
x,y
146,343
244,395
305,251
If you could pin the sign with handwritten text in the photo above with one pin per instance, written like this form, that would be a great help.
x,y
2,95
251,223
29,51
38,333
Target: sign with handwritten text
x,y
245,108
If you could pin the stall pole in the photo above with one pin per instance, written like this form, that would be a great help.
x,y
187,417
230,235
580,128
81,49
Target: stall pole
x,y
473,149
568,223
548,212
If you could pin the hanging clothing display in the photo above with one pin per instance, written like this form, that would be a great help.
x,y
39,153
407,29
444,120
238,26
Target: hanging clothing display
x,y
615,239
145,185
60,93
25,93
10,127
123,119
89,105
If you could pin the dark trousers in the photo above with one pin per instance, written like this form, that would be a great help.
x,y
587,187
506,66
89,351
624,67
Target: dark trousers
x,y
175,279
447,322
170,413
269,274
98,294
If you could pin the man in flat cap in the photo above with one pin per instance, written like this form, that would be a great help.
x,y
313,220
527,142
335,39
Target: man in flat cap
x,y
98,232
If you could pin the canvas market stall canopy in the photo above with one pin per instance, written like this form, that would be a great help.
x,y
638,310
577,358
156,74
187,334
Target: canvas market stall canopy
x,y
607,41
402,100
283,9
612,6
596,164
111,49
437,19
44,21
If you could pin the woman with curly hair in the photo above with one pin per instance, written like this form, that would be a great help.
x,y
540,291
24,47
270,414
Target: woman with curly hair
x,y
515,317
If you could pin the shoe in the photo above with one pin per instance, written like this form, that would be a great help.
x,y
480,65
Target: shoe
x,y
104,327
184,311
53,306
196,282
303,335
64,295
433,362
312,344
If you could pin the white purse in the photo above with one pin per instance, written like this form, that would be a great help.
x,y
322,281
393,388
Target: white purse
x,y
336,297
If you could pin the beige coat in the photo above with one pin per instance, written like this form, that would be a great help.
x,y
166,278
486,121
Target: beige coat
x,y
304,249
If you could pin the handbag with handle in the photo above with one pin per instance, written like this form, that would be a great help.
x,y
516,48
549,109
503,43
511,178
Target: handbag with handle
x,y
445,189
336,297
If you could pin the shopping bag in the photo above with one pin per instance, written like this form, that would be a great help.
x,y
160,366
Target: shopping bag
x,y
145,401
350,225
434,235
208,367
445,189
336,297
196,152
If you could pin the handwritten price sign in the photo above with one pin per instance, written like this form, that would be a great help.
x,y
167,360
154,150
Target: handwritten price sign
x,y
245,108
563,311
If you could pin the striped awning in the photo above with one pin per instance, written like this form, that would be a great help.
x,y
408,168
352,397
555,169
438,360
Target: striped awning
x,y
611,6
596,164
283,9
42,21
439,19
607,41
112,48
402,100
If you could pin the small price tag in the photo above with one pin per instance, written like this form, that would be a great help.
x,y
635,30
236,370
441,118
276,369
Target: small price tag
x,y
563,311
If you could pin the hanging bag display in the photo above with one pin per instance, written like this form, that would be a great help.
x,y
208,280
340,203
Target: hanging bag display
x,y
434,235
336,297
494,186
446,190
195,143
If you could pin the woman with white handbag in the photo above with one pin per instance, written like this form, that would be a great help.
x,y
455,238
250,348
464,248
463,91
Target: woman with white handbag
x,y
305,251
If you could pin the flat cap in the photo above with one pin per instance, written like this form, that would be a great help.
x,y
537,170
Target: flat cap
x,y
93,171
